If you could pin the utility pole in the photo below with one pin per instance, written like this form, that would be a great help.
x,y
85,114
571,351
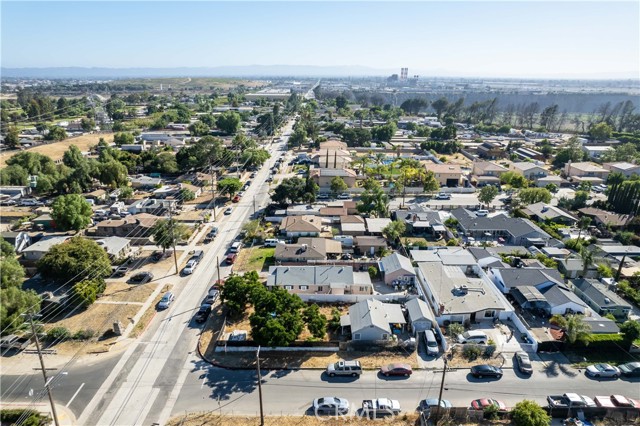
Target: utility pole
x,y
173,238
42,367
260,386
238,163
254,205
218,266
213,191
444,372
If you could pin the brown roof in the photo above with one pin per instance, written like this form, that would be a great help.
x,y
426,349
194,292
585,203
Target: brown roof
x,y
301,224
351,219
444,168
370,241
308,248
333,211
605,216
140,219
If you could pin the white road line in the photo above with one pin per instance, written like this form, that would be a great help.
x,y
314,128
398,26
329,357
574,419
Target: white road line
x,y
74,395
204,379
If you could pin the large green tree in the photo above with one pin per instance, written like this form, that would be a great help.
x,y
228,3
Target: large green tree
x,y
394,230
229,186
487,194
276,320
113,173
575,329
290,190
315,320
338,185
13,303
74,260
229,122
529,413
255,157
373,200
167,233
237,291
600,132
534,195
71,212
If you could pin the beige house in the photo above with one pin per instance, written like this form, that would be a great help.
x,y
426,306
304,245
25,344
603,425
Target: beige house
x,y
625,168
487,173
301,226
449,175
333,144
308,249
585,170
337,280
529,170
323,177
332,158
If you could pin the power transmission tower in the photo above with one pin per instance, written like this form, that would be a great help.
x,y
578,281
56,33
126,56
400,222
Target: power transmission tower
x,y
30,316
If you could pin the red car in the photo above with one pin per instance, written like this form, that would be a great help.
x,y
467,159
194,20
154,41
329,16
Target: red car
x,y
481,404
231,258
235,199
396,370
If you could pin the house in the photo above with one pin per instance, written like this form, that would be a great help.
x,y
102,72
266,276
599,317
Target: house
x,y
421,316
449,175
152,206
323,177
529,170
117,248
301,226
514,231
144,182
586,170
352,225
37,250
332,159
459,294
133,226
601,325
369,245
166,191
606,218
542,212
375,225
487,173
135,148
560,300
19,240
195,178
506,279
15,192
333,144
397,270
528,154
311,280
44,221
596,151
371,320
308,249
552,179
601,298
97,195
573,268
333,212
419,220
625,168
491,150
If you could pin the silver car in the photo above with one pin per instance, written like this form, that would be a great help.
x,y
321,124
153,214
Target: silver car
x,y
166,300
330,405
603,370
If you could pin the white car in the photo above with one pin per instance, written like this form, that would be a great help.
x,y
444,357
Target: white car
x,y
344,196
166,300
190,267
603,370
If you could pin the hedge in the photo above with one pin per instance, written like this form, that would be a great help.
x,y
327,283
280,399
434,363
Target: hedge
x,y
604,342
32,417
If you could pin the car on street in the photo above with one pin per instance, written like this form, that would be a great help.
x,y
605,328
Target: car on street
x,y
430,403
482,403
630,369
330,405
231,258
235,199
212,296
396,369
486,370
252,175
141,278
524,363
166,300
228,211
603,370
121,271
202,314
344,196
270,179
443,196
190,267
322,196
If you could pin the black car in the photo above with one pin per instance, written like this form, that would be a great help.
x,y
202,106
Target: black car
x,y
485,370
630,369
141,278
202,314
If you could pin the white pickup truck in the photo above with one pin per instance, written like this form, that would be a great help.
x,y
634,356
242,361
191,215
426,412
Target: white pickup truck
x,y
380,407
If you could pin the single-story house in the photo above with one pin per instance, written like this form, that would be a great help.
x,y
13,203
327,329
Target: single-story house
x,y
531,171
15,192
323,177
133,226
116,247
371,320
419,220
487,168
421,316
555,299
572,268
375,225
601,325
152,206
541,212
601,299
606,218
44,221
449,175
308,249
627,169
19,240
352,225
337,280
97,195
506,279
37,250
369,245
143,181
552,179
397,270
301,226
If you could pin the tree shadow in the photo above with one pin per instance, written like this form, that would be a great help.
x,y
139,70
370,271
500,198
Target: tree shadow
x,y
224,383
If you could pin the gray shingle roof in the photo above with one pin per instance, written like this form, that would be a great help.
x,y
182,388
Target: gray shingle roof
x,y
517,227
598,292
558,295
310,275
517,277
419,310
395,262
373,313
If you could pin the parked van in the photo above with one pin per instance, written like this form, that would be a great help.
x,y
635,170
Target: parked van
x,y
235,247
473,336
344,368
271,242
197,255
432,343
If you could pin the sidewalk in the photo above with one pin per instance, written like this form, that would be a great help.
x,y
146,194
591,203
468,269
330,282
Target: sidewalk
x,y
65,416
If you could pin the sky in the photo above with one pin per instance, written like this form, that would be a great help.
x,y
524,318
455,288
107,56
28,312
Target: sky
x,y
571,39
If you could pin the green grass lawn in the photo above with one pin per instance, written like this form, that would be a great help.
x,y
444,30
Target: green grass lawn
x,y
255,259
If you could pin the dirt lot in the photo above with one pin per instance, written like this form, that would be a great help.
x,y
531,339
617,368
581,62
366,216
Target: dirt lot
x,y
123,292
201,419
56,150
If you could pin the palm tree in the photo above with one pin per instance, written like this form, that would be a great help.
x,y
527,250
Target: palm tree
x,y
588,259
583,224
575,330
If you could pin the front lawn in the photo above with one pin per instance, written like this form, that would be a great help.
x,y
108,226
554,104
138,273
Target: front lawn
x,y
255,259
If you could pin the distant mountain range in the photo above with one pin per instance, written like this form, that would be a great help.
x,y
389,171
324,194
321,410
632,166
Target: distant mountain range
x,y
223,71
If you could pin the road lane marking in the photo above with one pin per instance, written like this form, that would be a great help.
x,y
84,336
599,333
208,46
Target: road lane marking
x,y
74,395
204,379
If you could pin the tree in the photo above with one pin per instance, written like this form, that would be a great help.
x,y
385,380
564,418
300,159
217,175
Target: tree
x,y
229,186
13,303
229,122
56,133
6,249
487,194
165,162
431,184
123,139
316,322
440,106
74,260
198,129
575,329
384,133
630,330
87,124
255,157
373,200
187,195
298,138
394,230
276,320
534,195
338,185
583,224
237,290
85,292
513,179
290,190
529,413
71,212
588,259
571,152
12,139
600,132
341,102
113,173
167,233
11,271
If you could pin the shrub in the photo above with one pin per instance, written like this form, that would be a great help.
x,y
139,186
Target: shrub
x,y
26,417
87,291
452,242
83,334
373,272
454,329
58,333
472,351
529,413
491,412
489,351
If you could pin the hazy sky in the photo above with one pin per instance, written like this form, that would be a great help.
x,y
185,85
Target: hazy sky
x,y
514,39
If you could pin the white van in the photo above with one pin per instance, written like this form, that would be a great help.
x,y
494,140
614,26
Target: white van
x,y
271,242
482,213
473,336
91,201
432,343
235,247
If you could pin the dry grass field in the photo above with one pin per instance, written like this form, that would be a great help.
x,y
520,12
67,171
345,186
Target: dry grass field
x,y
214,419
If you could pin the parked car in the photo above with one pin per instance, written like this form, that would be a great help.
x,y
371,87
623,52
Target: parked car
x,y
482,213
231,258
485,370
121,271
235,199
429,403
322,196
344,196
269,179
202,314
166,300
212,296
473,336
630,369
141,278
190,267
614,401
524,363
603,370
481,404
344,368
252,175
157,256
330,405
228,211
396,370
443,196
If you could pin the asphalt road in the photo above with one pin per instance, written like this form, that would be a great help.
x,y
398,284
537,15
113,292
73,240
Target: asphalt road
x,y
207,388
